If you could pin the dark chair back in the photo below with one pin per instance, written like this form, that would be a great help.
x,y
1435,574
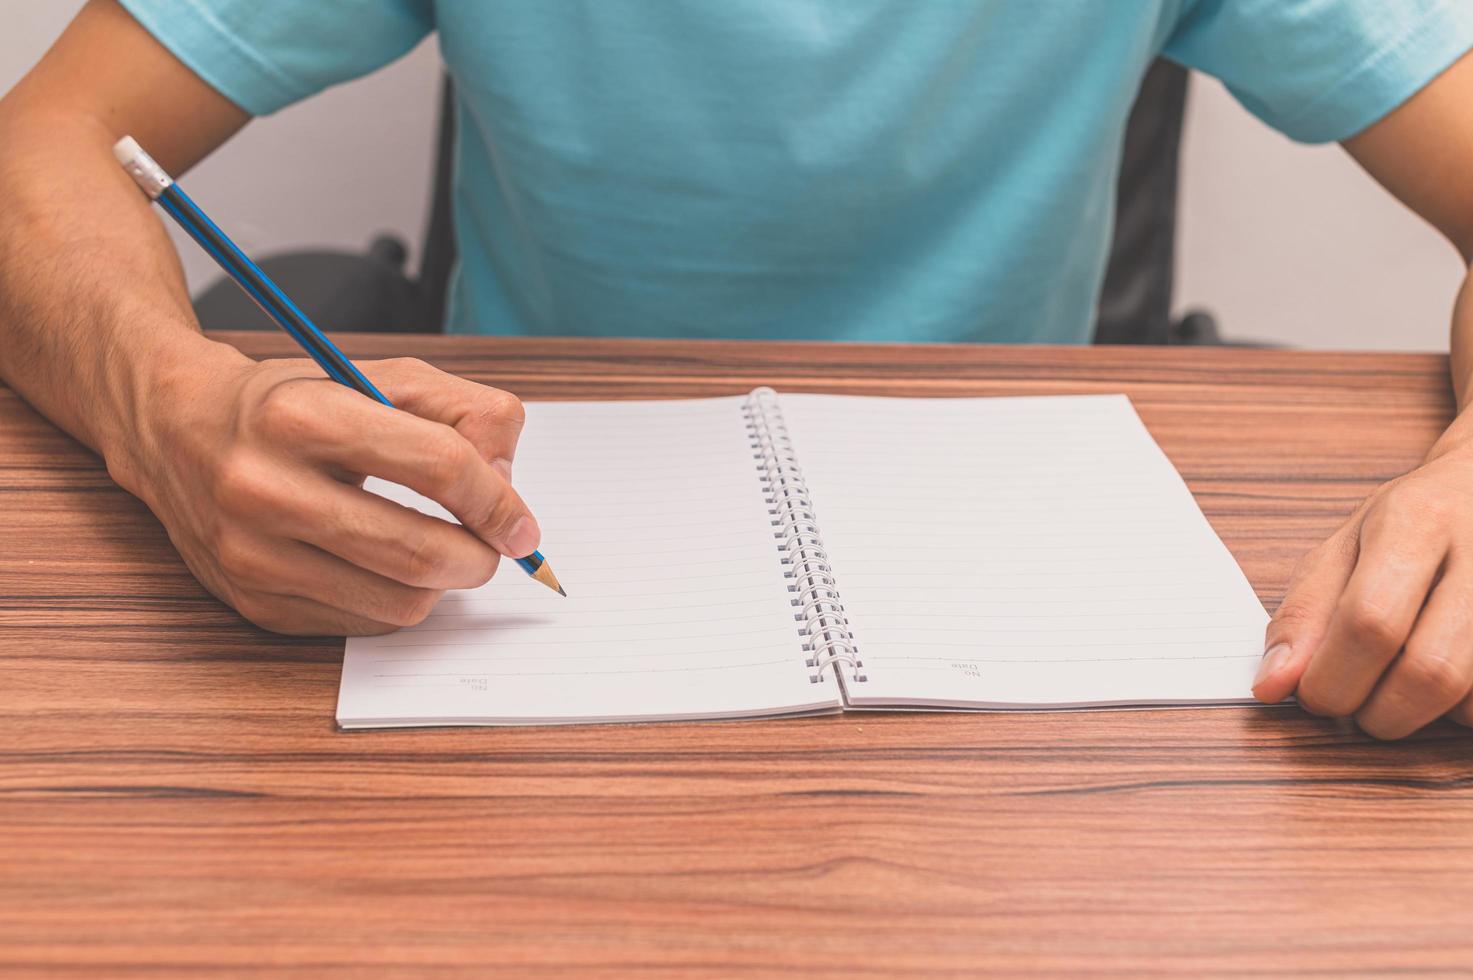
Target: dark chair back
x,y
1135,303
437,256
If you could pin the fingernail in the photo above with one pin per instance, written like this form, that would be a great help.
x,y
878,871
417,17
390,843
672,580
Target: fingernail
x,y
522,540
502,466
1275,658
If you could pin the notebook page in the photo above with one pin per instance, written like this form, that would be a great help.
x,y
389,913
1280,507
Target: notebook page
x,y
1013,552
653,518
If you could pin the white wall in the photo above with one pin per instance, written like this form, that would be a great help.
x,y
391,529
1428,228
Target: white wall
x,y
1284,243
1298,245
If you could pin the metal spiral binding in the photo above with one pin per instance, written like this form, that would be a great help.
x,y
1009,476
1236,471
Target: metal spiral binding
x,y
819,609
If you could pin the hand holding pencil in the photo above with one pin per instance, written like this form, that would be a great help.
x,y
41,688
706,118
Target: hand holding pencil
x,y
263,498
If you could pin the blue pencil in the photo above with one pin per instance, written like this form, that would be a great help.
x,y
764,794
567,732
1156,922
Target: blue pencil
x,y
160,187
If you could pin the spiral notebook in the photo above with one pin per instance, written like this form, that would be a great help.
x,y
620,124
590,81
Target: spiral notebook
x,y
790,554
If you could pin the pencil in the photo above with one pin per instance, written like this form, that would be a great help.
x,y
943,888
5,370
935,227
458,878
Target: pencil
x,y
162,189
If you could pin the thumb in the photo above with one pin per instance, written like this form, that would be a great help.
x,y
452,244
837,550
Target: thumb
x,y
1300,622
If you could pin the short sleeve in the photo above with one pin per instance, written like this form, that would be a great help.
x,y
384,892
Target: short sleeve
x,y
266,54
1322,70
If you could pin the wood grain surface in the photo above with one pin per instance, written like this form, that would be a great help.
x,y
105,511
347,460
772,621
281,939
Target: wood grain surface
x,y
174,798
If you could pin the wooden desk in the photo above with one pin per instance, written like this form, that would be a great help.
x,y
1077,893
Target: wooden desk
x,y
173,793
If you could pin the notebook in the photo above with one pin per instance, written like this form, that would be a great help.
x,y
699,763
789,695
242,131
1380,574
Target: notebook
x,y
769,555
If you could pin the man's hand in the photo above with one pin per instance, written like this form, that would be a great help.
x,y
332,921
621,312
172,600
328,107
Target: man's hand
x,y
255,470
1378,620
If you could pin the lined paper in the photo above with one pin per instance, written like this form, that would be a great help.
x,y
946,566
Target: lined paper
x,y
653,517
1000,552
1021,552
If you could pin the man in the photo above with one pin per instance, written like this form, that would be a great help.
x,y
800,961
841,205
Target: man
x,y
856,169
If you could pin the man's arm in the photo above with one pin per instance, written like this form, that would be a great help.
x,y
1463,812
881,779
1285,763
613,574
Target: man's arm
x,y
252,468
1378,620
89,274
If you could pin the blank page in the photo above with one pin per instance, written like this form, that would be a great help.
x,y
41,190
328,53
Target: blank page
x,y
653,518
1013,552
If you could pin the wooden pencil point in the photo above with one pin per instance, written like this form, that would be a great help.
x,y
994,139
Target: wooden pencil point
x,y
546,577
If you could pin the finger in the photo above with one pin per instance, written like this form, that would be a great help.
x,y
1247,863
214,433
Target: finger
x,y
383,537
1400,554
276,567
491,419
356,435
445,467
1299,624
1434,675
363,528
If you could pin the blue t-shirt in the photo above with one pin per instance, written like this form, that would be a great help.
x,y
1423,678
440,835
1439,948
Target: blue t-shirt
x,y
915,170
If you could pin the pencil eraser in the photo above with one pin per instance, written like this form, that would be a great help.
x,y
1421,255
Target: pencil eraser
x,y
126,150
141,167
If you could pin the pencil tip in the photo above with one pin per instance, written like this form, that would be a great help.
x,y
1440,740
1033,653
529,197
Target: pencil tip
x,y
546,577
561,592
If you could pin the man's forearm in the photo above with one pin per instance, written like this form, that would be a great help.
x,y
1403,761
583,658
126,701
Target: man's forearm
x,y
1462,344
94,313
1460,432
